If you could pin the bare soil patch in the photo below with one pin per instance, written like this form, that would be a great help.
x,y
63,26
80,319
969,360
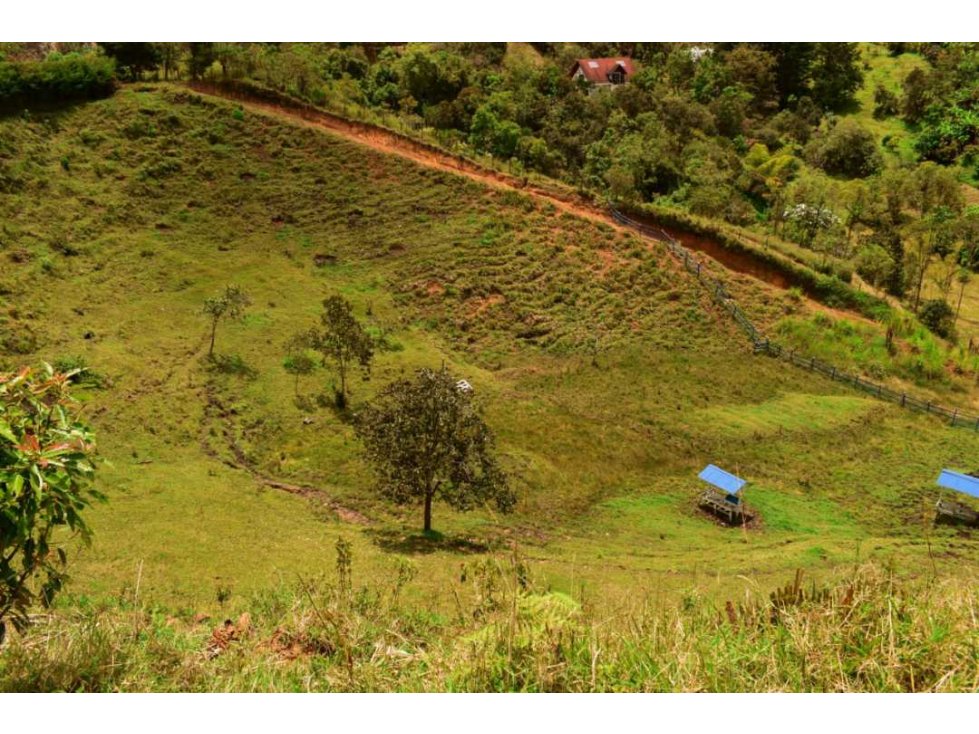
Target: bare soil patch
x,y
478,305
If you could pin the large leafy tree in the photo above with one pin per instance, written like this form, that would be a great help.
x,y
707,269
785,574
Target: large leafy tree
x,y
917,96
170,55
341,340
46,474
426,440
792,68
201,57
845,149
132,59
754,70
836,75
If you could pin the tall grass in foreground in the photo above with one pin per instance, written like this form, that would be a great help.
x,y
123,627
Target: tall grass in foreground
x,y
869,632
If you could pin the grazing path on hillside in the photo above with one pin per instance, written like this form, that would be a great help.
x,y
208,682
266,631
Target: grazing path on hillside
x,y
215,409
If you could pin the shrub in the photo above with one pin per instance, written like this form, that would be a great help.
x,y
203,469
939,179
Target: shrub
x,y
886,103
45,483
81,373
846,149
947,132
938,316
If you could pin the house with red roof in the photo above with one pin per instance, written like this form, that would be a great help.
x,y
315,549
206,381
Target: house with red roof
x,y
603,72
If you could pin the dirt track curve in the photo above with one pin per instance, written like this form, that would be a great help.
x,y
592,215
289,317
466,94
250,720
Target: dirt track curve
x,y
394,144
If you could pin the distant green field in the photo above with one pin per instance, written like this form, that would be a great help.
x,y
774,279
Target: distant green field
x,y
882,69
608,377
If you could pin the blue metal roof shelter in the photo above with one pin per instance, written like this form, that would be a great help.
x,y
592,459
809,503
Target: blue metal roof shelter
x,y
959,482
722,479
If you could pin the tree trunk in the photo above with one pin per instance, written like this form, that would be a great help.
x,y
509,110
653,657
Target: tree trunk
x,y
921,282
214,328
428,512
959,307
342,369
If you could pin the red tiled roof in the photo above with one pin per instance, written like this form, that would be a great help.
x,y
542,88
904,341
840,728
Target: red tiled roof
x,y
597,70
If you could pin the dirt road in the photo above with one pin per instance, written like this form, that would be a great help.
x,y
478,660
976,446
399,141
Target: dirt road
x,y
394,144
430,156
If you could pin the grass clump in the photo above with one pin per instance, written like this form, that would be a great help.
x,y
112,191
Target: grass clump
x,y
868,632
911,352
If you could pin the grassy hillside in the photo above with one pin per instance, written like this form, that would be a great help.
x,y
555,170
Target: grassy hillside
x,y
885,70
608,378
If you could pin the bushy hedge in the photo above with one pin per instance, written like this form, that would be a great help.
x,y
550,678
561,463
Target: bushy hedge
x,y
58,78
846,149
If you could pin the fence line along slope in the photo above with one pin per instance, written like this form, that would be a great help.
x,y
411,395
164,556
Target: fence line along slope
x,y
954,416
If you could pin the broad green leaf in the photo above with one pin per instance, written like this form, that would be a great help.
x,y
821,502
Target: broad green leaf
x,y
6,432
17,485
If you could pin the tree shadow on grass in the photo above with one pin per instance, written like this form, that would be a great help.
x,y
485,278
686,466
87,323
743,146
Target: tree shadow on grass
x,y
420,543
231,364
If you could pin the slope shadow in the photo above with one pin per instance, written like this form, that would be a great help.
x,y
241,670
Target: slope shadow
x,y
41,110
415,543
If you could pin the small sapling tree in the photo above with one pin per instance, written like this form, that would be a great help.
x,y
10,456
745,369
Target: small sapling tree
x,y
46,474
342,341
426,440
229,305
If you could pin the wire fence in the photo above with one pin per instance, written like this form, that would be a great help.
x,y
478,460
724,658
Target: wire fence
x,y
762,344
